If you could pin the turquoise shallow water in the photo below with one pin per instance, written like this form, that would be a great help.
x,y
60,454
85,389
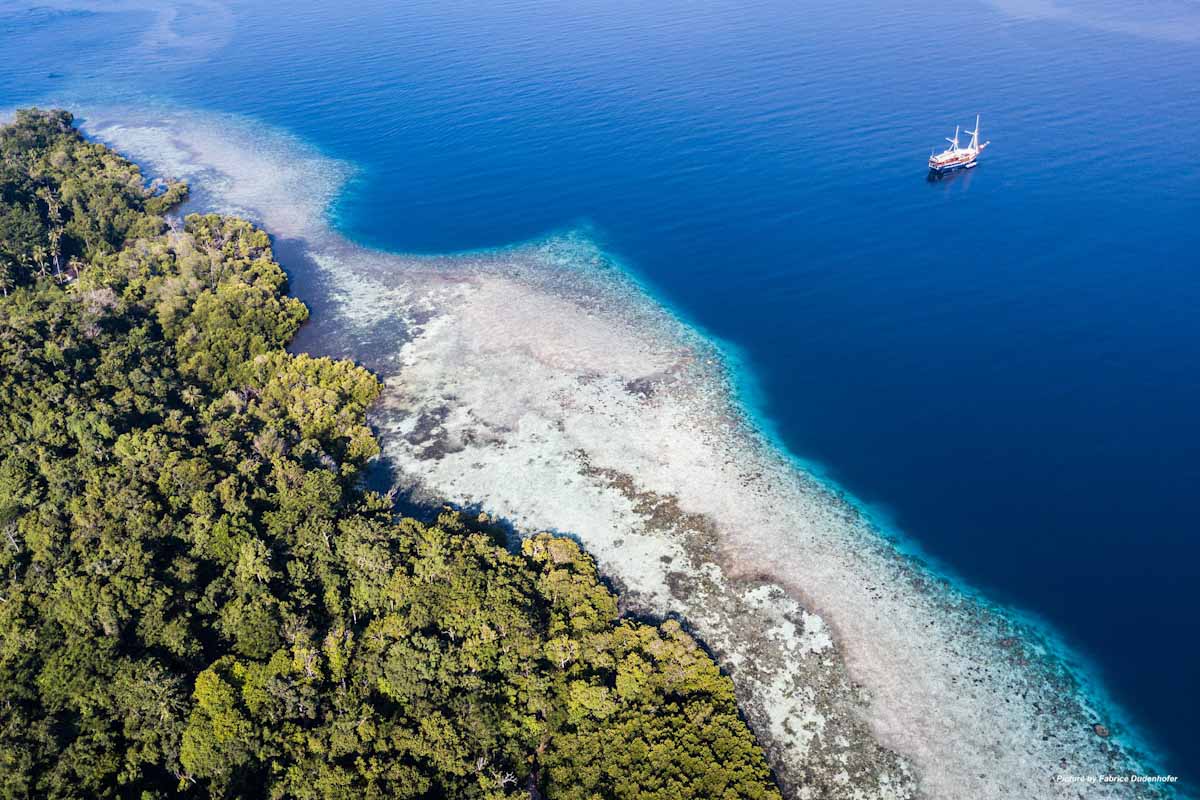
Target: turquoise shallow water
x,y
1005,365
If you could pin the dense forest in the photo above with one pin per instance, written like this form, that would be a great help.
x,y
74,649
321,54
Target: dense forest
x,y
197,595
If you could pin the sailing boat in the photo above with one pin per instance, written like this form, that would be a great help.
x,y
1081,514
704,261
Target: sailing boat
x,y
956,157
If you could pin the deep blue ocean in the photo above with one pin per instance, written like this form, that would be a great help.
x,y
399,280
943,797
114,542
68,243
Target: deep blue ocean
x,y
1004,365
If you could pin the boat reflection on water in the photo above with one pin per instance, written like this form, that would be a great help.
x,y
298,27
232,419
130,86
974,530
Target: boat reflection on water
x,y
958,177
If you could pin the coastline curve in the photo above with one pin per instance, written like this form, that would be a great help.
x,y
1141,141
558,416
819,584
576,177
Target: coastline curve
x,y
545,385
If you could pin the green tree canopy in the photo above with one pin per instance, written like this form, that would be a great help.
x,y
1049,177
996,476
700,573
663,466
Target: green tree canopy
x,y
197,596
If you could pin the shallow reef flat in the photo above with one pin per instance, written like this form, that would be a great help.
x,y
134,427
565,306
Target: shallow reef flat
x,y
540,384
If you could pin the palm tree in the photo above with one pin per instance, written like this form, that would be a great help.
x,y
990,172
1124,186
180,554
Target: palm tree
x,y
56,249
54,211
38,252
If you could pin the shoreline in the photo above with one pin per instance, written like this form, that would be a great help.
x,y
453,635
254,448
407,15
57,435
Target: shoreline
x,y
721,566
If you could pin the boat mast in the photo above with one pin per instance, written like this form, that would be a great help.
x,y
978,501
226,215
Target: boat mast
x,y
954,142
975,134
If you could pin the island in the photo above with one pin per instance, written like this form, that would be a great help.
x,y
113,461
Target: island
x,y
198,595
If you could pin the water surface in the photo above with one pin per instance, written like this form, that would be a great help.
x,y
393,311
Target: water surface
x,y
1005,365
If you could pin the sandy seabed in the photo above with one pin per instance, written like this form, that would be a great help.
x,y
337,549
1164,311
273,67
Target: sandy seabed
x,y
540,384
